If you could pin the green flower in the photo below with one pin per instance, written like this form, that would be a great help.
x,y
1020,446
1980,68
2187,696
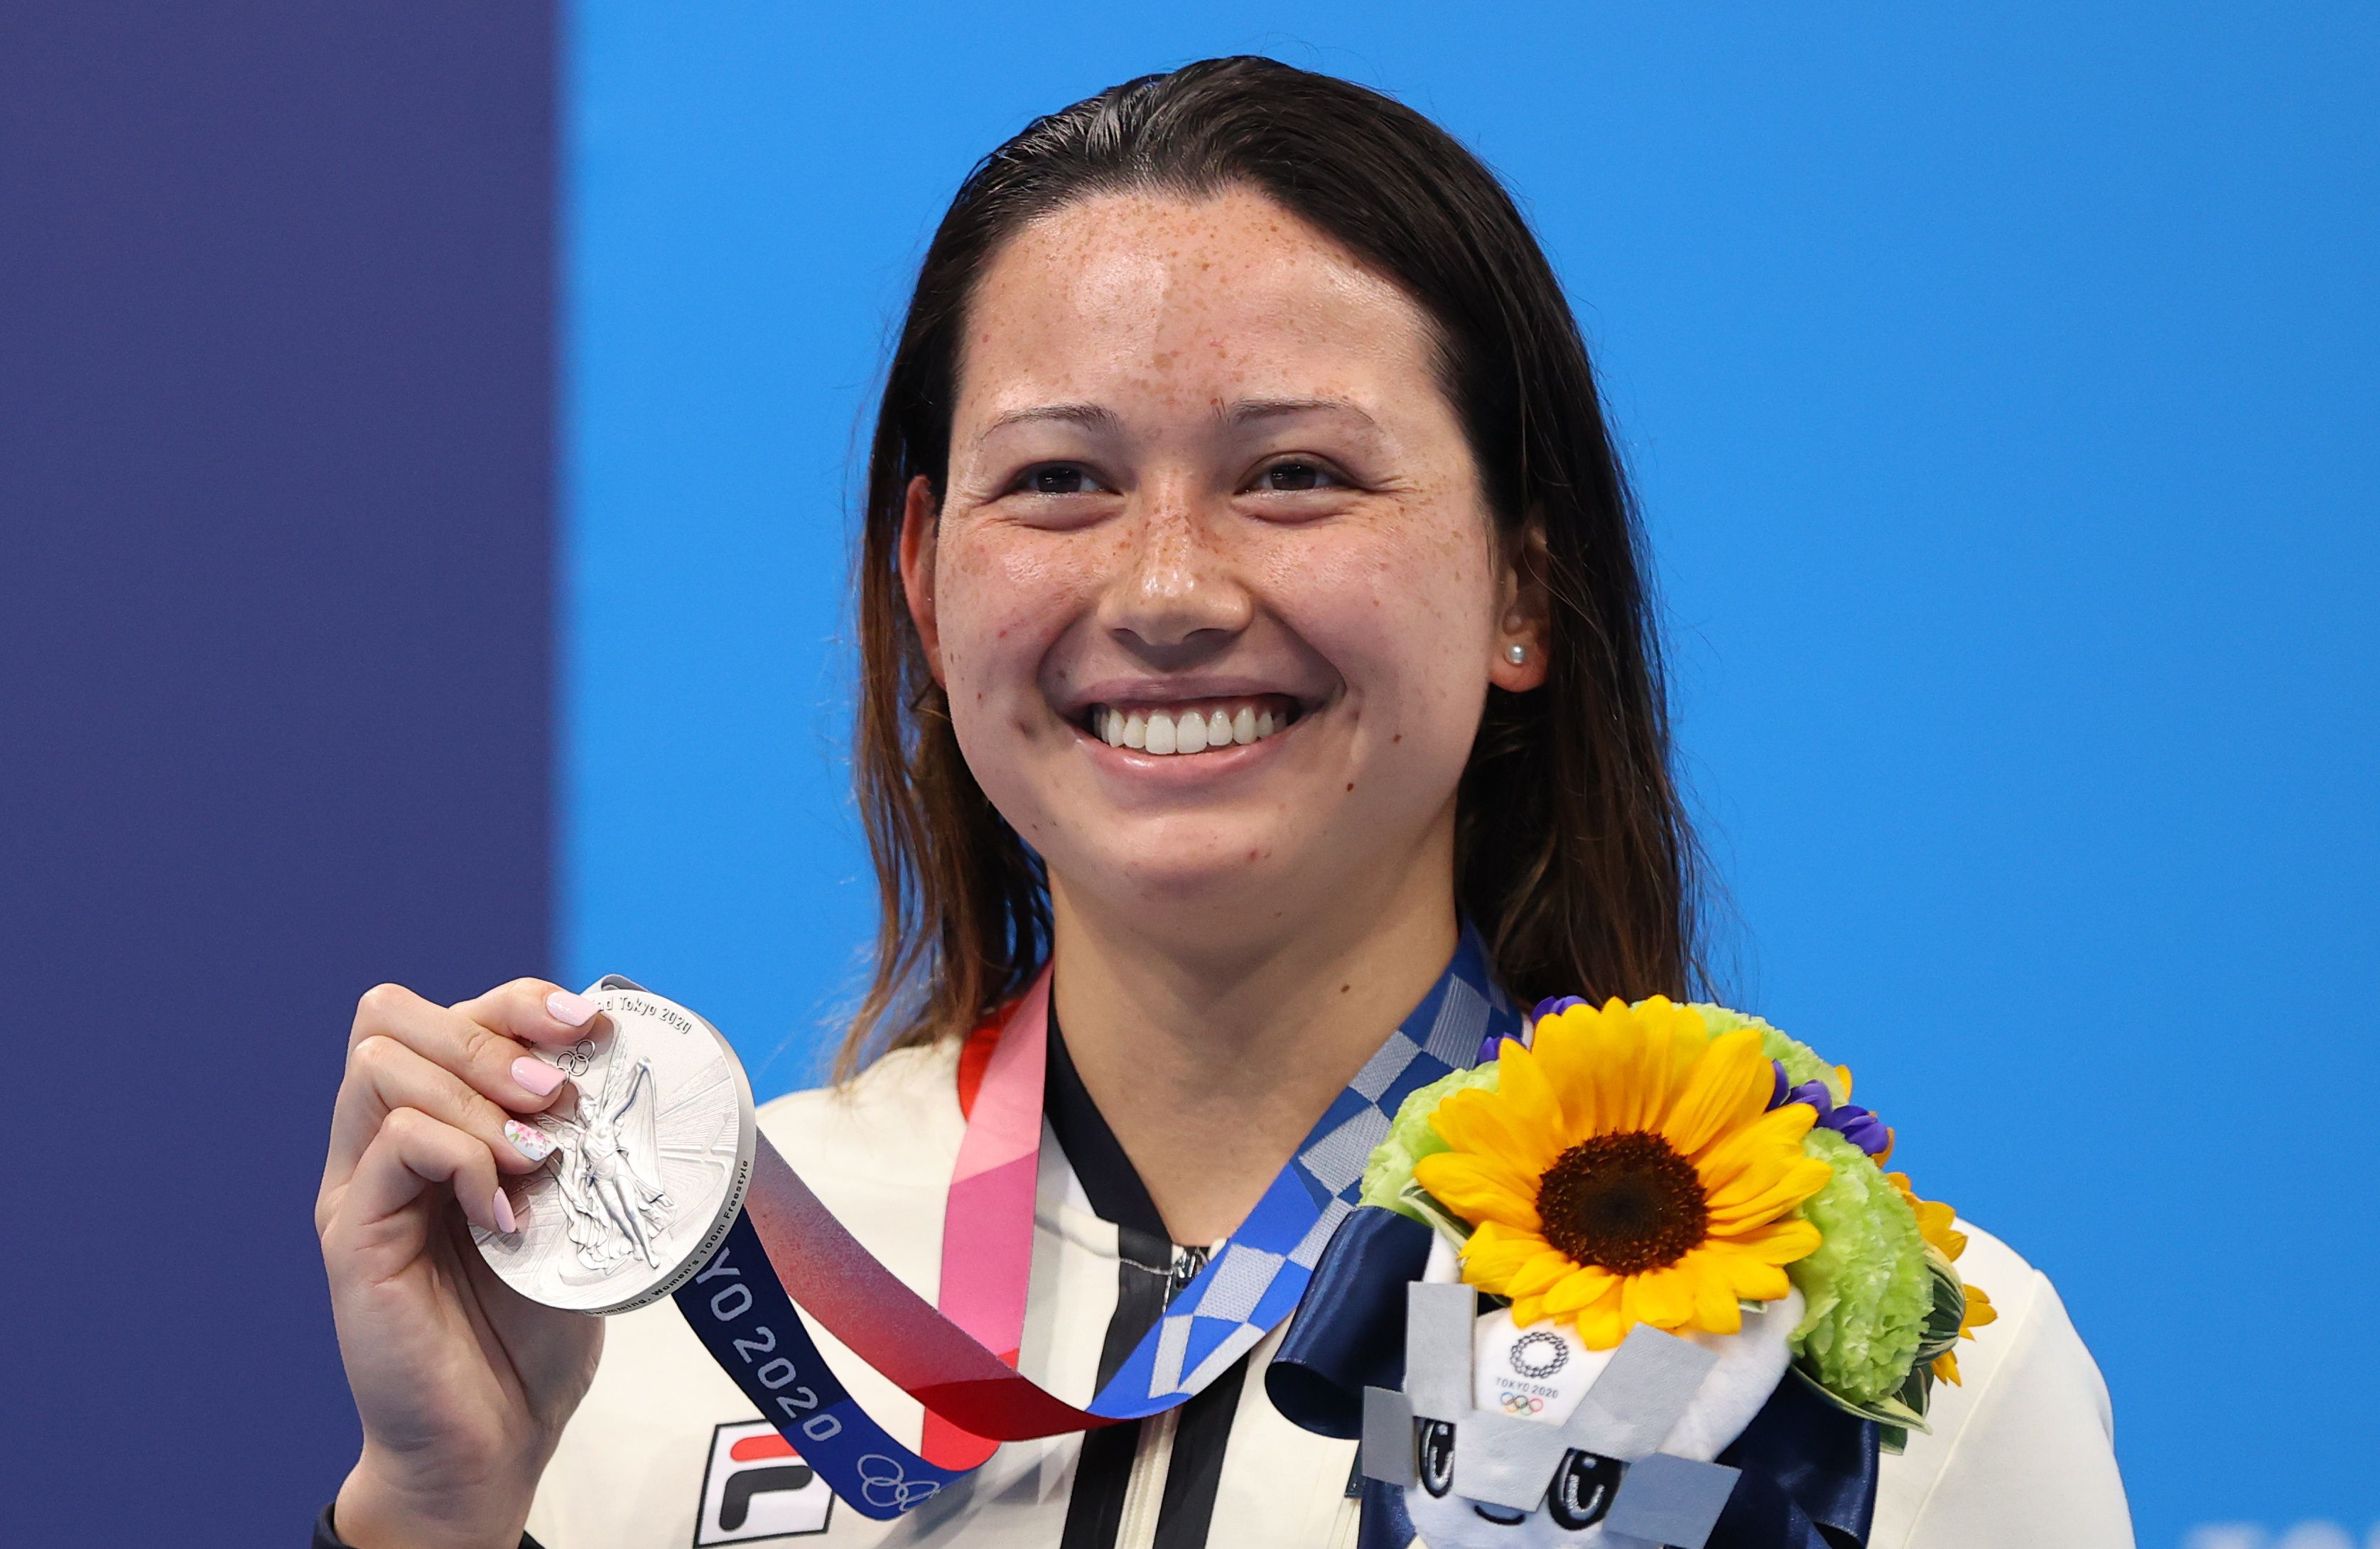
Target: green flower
x,y
1388,1177
1868,1287
1800,1062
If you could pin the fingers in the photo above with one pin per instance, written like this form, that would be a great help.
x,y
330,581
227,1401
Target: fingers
x,y
467,1069
411,1152
533,1010
491,1053
386,1075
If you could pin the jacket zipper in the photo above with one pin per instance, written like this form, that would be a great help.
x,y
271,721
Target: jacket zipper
x,y
1187,1262
1144,1494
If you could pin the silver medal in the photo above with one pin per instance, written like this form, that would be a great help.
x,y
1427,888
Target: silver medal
x,y
649,1170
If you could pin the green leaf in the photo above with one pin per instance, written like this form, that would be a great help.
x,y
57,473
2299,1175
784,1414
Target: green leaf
x,y
1892,1410
1917,1392
1422,1206
1948,1310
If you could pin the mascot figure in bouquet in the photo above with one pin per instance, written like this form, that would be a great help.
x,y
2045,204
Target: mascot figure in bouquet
x,y
1507,1437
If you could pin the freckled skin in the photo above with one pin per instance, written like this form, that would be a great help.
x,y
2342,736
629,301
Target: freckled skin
x,y
1379,599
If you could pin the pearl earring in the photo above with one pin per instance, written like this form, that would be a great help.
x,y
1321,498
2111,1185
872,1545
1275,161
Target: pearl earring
x,y
1516,654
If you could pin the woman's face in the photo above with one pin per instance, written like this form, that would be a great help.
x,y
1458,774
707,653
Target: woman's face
x,y
1213,589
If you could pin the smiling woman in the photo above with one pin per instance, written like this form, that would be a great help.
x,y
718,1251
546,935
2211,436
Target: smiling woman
x,y
1258,693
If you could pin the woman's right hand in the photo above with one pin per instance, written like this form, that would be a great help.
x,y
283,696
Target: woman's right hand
x,y
462,1384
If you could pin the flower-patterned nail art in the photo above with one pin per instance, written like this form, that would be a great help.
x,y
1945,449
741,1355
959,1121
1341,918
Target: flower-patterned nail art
x,y
528,1139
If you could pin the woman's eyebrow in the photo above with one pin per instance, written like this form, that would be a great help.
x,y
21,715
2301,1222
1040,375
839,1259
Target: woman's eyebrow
x,y
1253,410
1095,417
1090,416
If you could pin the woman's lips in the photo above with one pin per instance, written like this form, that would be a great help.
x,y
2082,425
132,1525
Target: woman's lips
x,y
1189,728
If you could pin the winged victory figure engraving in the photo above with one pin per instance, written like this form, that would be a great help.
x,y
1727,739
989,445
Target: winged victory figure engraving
x,y
608,1162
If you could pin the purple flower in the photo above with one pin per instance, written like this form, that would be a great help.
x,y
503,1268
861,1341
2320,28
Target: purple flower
x,y
1852,1122
1552,1006
1861,1127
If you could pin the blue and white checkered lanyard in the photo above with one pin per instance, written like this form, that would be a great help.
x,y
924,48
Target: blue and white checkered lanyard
x,y
1255,1279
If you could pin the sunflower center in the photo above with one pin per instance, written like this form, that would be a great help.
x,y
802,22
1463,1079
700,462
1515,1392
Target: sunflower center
x,y
1626,1202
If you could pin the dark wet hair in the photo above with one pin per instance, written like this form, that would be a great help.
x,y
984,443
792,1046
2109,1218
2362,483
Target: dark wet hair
x,y
1574,858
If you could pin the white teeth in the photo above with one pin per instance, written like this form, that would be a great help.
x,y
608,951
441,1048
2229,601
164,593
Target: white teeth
x,y
1189,731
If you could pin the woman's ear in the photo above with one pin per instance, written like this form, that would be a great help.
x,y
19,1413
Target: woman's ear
x,y
1524,622
921,525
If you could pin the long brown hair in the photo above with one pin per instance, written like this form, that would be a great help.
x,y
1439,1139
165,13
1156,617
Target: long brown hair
x,y
1574,855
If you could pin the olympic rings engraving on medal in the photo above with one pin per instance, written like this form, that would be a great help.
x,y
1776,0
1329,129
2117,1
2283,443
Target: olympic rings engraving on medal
x,y
1554,1357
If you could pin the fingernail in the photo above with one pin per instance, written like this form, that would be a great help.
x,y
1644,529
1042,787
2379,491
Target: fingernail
x,y
570,1010
529,1140
505,1222
536,1075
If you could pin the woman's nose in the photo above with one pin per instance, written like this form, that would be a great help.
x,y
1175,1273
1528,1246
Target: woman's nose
x,y
1178,587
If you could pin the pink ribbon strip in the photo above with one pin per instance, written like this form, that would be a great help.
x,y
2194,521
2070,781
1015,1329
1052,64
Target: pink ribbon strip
x,y
988,1223
888,1325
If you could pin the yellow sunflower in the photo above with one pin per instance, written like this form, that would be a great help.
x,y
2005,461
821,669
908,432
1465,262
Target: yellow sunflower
x,y
1934,1224
1628,1169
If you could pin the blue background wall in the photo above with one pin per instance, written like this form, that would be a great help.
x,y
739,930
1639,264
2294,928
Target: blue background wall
x,y
2001,386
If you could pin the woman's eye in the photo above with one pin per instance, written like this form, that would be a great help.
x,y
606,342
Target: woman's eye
x,y
1057,479
1283,477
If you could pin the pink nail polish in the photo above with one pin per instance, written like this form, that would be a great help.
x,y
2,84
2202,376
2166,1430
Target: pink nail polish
x,y
570,1010
528,1139
536,1075
503,1208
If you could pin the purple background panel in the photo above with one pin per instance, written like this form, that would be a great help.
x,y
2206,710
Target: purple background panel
x,y
276,307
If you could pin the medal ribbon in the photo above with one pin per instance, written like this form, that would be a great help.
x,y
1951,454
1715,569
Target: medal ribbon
x,y
958,1359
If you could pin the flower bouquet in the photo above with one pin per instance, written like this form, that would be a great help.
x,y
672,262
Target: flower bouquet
x,y
1680,1167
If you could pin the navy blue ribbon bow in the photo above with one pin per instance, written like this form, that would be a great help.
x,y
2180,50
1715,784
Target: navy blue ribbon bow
x,y
1809,1470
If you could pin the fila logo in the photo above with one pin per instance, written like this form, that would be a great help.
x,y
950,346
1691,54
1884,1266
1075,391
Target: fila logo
x,y
756,1488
